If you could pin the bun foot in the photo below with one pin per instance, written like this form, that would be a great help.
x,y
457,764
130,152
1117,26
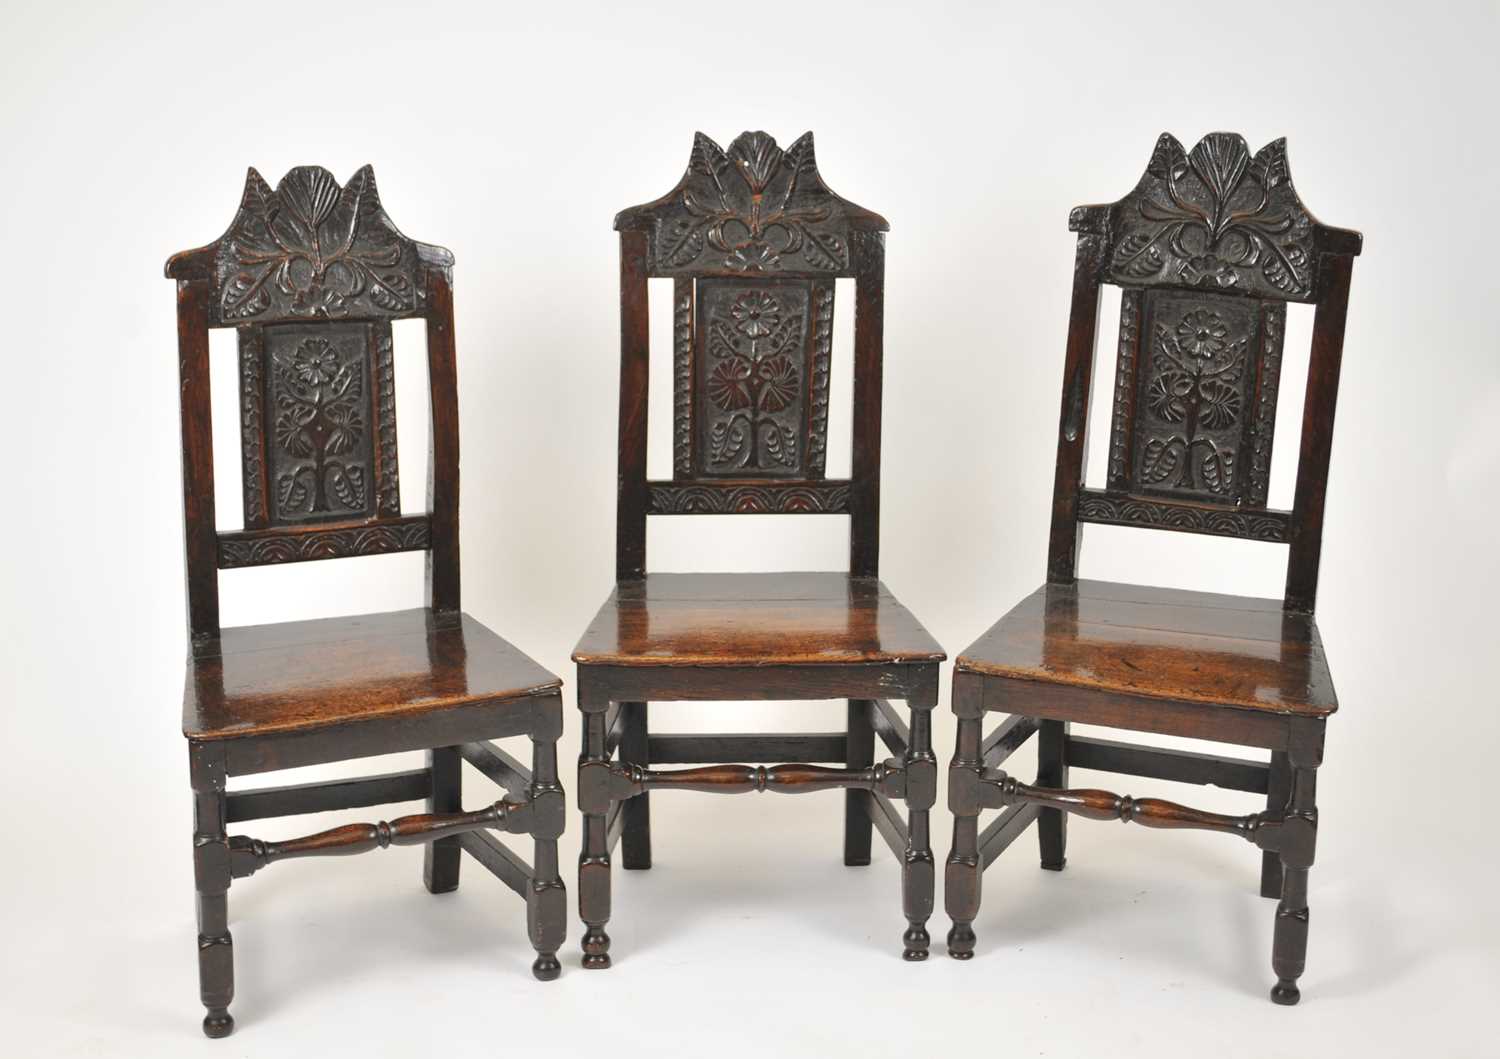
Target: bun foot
x,y
218,1023
546,968
916,940
596,949
1285,992
961,941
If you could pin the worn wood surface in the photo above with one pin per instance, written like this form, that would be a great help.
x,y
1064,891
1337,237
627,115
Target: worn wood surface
x,y
298,676
1166,643
717,619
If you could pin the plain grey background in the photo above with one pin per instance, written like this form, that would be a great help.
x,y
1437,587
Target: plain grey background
x,y
512,134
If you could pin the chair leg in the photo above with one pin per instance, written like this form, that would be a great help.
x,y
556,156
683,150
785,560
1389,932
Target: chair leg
x,y
1278,795
917,882
1052,771
441,860
211,880
593,859
1289,943
962,882
860,754
635,818
547,898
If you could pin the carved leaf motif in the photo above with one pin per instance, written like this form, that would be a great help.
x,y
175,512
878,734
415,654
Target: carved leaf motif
x,y
708,158
348,485
1218,469
1162,458
758,157
1137,256
824,249
1220,160
291,492
1269,165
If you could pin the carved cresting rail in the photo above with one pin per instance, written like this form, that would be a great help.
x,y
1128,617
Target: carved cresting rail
x,y
249,855
1291,833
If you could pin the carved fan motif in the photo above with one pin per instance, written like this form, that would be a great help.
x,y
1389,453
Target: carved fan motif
x,y
754,208
1216,217
314,249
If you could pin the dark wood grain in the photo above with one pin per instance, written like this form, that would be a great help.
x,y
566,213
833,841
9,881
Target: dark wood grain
x,y
1207,251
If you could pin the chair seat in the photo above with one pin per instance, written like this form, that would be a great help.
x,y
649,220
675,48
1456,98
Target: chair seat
x,y
716,619
305,675
1162,643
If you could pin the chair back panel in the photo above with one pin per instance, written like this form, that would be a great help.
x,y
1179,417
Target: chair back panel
x,y
754,240
1207,250
310,275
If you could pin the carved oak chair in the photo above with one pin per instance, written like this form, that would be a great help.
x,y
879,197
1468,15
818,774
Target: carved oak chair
x,y
1207,251
753,241
311,275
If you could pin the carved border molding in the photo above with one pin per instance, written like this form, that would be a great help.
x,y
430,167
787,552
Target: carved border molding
x,y
1263,525
716,498
267,549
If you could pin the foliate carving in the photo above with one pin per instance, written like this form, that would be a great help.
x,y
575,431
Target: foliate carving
x,y
725,499
253,426
313,249
1216,217
682,372
1131,511
1195,385
1125,388
1267,385
753,393
320,450
753,208
822,354
388,488
375,539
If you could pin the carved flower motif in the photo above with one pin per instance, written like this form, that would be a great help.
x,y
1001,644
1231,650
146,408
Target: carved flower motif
x,y
753,256
315,362
729,384
1207,269
1167,396
778,376
1202,334
755,315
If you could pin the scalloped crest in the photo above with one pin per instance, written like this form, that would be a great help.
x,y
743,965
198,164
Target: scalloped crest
x,y
754,208
312,249
1216,217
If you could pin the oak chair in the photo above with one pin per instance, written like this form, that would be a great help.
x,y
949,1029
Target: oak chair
x,y
1207,251
753,241
311,275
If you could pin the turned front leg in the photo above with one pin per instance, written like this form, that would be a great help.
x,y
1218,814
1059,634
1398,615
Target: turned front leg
x,y
1296,846
593,857
211,877
547,898
962,882
917,869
